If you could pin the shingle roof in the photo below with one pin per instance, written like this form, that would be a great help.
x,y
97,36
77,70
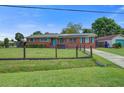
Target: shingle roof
x,y
64,35
110,37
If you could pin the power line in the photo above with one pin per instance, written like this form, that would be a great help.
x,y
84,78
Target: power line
x,y
63,9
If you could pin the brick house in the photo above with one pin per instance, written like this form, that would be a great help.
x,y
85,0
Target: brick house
x,y
63,40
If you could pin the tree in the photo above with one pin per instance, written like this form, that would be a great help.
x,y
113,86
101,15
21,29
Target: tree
x,y
37,33
19,36
1,44
122,31
6,42
105,26
12,40
87,30
72,28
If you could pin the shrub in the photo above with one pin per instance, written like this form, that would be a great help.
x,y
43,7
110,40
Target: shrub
x,y
1,45
6,42
36,46
117,45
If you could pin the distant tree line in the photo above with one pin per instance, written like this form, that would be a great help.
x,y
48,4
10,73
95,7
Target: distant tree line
x,y
7,43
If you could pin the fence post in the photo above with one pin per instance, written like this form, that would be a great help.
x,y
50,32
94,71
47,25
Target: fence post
x,y
56,51
76,51
24,50
91,51
84,48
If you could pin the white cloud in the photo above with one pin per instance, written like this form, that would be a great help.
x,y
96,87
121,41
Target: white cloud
x,y
27,29
118,17
121,9
6,35
121,23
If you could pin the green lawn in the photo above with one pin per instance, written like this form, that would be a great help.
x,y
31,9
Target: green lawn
x,y
38,53
119,51
103,61
88,76
40,65
62,72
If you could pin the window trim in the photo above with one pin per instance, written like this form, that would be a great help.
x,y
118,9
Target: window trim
x,y
72,40
92,39
87,40
43,40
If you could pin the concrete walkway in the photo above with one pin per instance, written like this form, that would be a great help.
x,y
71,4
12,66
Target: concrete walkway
x,y
116,59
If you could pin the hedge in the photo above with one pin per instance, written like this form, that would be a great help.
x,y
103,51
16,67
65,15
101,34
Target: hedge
x,y
117,45
36,46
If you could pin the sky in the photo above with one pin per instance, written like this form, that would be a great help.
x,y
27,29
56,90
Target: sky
x,y
27,21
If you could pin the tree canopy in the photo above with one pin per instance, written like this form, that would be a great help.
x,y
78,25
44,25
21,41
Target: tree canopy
x,y
122,31
19,36
87,30
105,26
37,33
6,42
72,28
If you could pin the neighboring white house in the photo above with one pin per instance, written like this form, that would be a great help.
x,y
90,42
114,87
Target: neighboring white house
x,y
108,41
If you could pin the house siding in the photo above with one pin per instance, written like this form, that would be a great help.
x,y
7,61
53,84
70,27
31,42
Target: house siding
x,y
68,42
111,40
117,37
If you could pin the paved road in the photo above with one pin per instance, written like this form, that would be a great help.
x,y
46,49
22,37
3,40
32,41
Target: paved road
x,y
116,59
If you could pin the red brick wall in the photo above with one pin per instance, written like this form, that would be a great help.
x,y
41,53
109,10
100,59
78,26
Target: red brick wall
x,y
77,43
67,43
87,45
47,44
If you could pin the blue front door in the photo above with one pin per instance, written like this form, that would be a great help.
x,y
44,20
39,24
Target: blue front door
x,y
120,41
53,42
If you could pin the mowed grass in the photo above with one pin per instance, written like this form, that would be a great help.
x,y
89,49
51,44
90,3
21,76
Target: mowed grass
x,y
41,65
88,76
62,72
103,61
119,51
38,53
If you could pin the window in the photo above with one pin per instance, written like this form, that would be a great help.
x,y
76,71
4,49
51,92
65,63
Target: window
x,y
61,40
72,40
82,40
32,40
86,39
40,40
92,39
43,39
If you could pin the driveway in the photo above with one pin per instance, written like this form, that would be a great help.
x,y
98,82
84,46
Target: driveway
x,y
116,59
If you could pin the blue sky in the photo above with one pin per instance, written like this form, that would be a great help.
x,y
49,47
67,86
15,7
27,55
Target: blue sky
x,y
27,21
